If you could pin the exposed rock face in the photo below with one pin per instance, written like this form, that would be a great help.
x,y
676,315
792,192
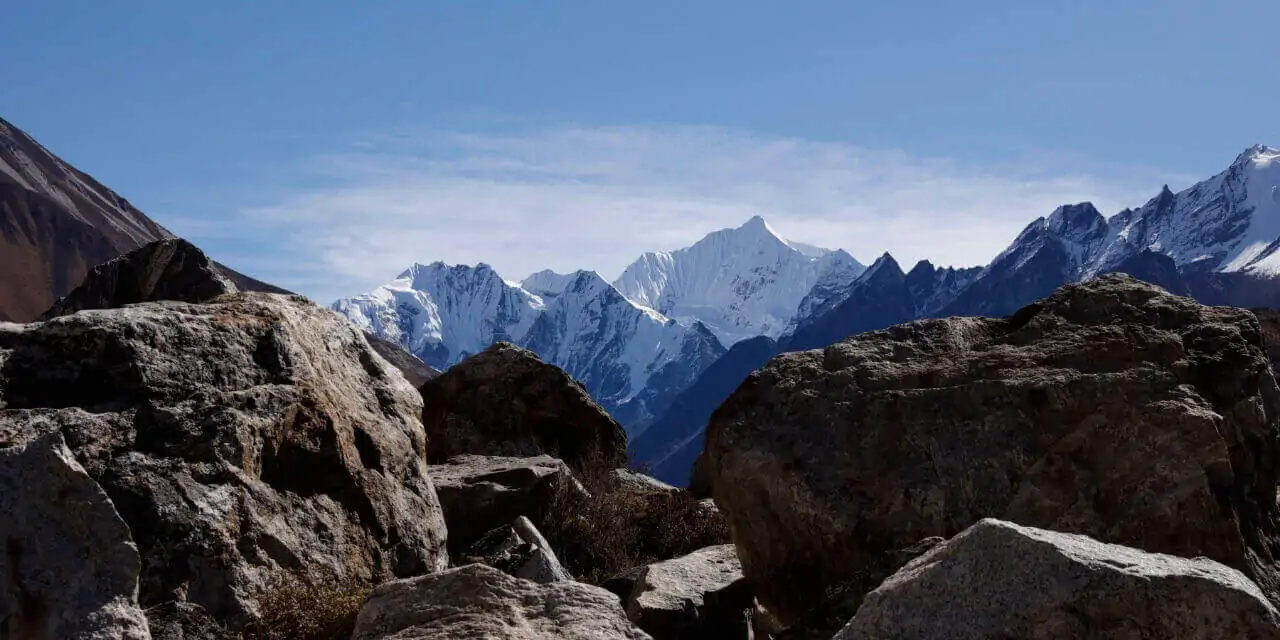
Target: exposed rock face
x,y
171,269
504,401
1001,580
477,601
701,595
70,568
239,439
1111,409
480,493
415,371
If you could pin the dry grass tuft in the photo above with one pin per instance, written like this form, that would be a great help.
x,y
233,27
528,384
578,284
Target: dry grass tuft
x,y
617,529
294,610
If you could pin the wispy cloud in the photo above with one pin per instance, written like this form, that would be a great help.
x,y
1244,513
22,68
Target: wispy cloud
x,y
574,197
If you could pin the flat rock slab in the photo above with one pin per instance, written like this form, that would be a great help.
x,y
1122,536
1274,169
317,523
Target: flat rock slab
x,y
477,601
479,493
701,594
1000,580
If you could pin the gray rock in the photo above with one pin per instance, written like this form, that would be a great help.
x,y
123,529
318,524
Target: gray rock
x,y
70,568
480,493
500,548
504,401
518,549
1000,580
170,269
1111,408
477,601
542,566
242,439
700,595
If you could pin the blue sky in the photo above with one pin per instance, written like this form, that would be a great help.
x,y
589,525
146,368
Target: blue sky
x,y
327,145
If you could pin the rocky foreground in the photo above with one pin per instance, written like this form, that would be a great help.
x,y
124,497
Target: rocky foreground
x,y
181,460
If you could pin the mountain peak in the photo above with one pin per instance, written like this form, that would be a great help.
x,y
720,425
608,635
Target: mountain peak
x,y
885,264
757,229
1258,153
547,283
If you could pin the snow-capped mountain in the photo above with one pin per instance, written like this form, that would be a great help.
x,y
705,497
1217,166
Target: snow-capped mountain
x,y
1228,223
1216,241
442,313
740,283
632,359
1048,253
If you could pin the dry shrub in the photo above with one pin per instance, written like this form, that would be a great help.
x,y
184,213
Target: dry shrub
x,y
617,528
294,610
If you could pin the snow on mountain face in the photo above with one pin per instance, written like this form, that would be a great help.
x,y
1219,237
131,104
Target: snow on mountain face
x,y
443,314
579,322
1228,223
739,283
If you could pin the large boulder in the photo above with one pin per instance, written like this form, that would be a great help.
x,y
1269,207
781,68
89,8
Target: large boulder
x,y
477,601
1000,580
240,440
1111,408
481,493
504,401
70,568
700,595
170,269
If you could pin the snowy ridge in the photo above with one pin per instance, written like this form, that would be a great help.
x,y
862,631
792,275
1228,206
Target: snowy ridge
x,y
577,321
1228,223
740,283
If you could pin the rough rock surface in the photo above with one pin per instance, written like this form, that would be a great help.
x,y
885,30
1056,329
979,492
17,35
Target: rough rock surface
x,y
70,568
1111,409
700,595
477,601
480,493
238,439
504,401
171,269
1000,580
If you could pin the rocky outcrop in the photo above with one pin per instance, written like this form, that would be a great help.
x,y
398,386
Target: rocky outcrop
x,y
477,601
701,595
504,401
70,568
172,269
480,493
1111,408
1000,580
241,439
